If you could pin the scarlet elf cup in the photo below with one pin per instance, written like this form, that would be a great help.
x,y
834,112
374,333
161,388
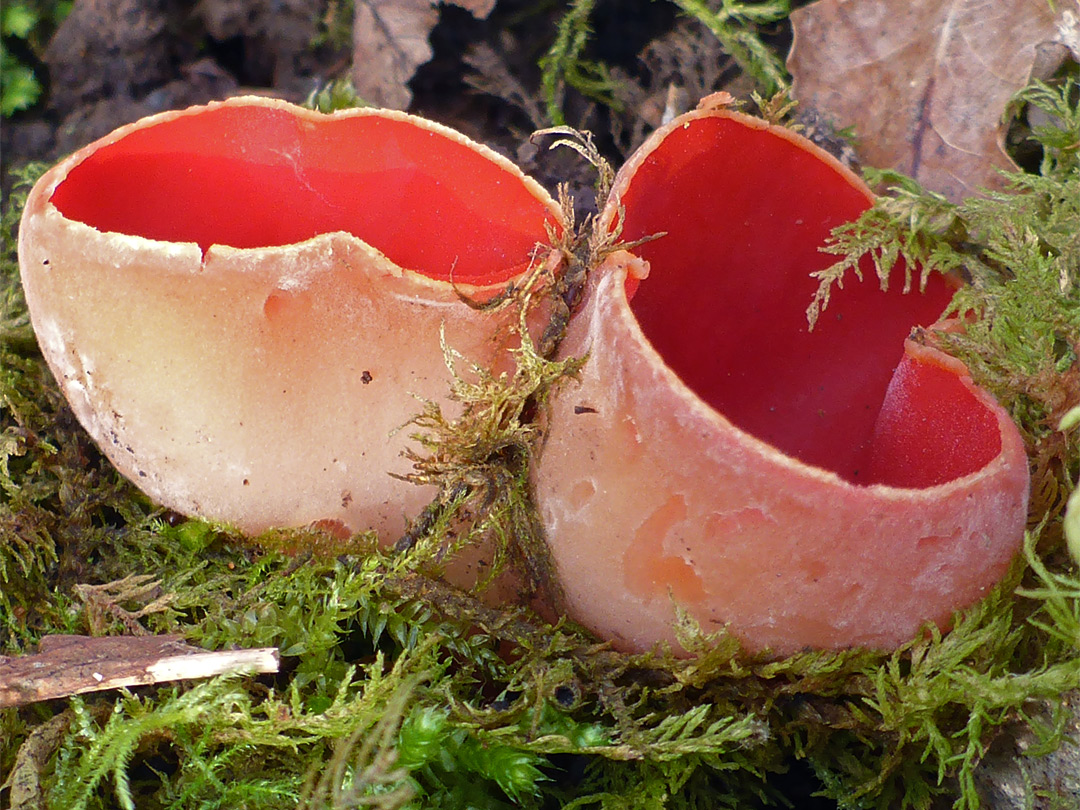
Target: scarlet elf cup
x,y
241,300
824,488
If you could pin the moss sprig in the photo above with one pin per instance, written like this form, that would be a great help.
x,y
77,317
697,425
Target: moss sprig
x,y
735,24
334,95
565,64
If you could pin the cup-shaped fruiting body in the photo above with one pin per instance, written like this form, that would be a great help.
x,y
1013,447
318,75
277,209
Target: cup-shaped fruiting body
x,y
826,488
243,302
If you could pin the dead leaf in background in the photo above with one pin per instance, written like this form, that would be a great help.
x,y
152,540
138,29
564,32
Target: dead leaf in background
x,y
390,41
924,83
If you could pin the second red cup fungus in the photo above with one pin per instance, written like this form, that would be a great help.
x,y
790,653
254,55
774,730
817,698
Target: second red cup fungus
x,y
826,488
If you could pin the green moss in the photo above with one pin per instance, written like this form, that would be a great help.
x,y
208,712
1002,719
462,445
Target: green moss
x,y
565,64
27,27
338,94
735,24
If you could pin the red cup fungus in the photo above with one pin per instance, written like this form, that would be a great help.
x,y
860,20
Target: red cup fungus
x,y
243,301
826,488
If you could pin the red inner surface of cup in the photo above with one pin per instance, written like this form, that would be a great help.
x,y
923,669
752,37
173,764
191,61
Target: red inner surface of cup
x,y
746,212
255,176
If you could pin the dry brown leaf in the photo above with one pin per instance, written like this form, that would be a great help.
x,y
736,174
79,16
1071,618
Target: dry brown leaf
x,y
924,83
390,41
